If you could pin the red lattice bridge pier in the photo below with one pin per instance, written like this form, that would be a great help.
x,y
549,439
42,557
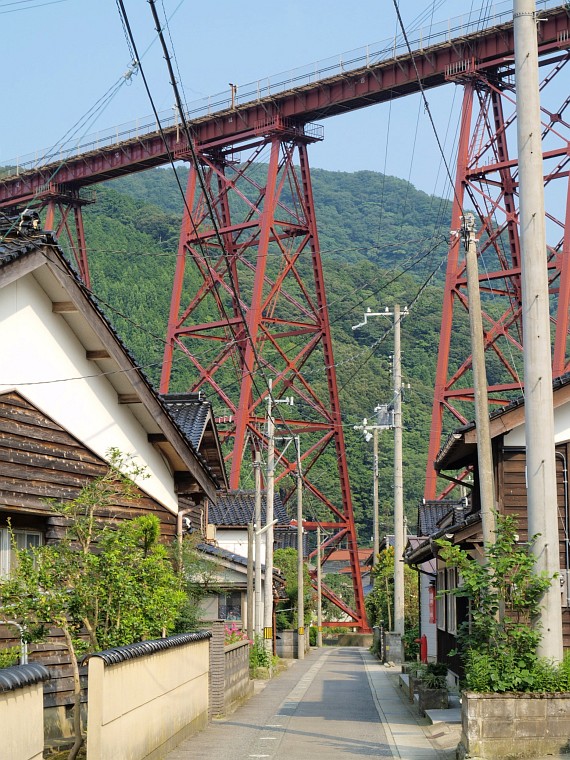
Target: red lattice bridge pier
x,y
250,232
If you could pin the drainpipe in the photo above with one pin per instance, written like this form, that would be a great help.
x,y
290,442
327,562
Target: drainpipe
x,y
23,643
180,534
566,524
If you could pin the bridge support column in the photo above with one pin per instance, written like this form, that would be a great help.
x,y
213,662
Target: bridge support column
x,y
249,305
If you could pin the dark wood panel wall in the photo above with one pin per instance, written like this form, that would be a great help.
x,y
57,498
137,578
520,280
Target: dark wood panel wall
x,y
39,460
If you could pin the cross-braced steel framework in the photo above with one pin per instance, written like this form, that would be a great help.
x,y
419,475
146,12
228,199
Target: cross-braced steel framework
x,y
253,307
487,182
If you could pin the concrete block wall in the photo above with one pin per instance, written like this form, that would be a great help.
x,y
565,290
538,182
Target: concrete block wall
x,y
498,726
237,684
217,668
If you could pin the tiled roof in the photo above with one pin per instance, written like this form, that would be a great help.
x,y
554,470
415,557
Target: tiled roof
x,y
430,514
14,247
217,551
236,509
191,412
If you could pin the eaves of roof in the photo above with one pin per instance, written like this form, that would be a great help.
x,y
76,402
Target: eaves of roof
x,y
31,253
461,444
426,550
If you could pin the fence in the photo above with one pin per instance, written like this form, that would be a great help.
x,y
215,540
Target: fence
x,y
229,671
21,707
146,698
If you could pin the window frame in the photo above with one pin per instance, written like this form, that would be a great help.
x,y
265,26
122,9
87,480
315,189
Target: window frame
x,y
6,549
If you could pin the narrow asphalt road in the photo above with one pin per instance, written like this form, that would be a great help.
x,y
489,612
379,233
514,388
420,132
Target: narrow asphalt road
x,y
325,706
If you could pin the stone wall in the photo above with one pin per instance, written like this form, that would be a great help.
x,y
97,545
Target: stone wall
x,y
498,726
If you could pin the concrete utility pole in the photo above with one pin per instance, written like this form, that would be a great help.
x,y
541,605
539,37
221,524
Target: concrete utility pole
x,y
300,580
399,539
250,560
269,521
542,507
319,591
270,485
257,525
382,423
484,448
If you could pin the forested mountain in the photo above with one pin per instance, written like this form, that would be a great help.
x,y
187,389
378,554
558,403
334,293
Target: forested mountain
x,y
382,242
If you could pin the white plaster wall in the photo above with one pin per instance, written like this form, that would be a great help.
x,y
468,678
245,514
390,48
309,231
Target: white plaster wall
x,y
44,360
430,629
516,437
136,707
22,723
236,541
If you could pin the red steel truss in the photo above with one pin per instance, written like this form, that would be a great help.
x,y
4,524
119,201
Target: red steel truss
x,y
253,307
487,182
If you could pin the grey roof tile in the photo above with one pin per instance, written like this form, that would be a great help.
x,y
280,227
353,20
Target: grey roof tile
x,y
236,508
191,412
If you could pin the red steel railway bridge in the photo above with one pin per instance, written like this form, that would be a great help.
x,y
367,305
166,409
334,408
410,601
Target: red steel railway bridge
x,y
259,306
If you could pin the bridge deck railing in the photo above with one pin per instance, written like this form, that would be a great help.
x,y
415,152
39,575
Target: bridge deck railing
x,y
329,68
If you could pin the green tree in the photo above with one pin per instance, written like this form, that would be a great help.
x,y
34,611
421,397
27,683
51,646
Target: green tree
x,y
124,591
499,640
200,578
380,601
286,561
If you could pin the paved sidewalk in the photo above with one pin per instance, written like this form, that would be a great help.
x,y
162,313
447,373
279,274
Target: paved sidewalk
x,y
338,704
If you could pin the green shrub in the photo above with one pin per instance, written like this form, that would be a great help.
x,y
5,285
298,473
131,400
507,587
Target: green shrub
x,y
259,657
498,644
433,675
9,656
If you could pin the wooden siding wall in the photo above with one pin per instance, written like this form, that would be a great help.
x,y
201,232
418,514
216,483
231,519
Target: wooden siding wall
x,y
40,460
513,501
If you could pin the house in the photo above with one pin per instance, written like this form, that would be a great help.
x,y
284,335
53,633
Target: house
x,y
229,575
431,515
338,561
461,522
235,510
69,393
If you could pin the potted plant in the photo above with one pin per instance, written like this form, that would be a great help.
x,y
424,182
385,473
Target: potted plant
x,y
432,687
514,703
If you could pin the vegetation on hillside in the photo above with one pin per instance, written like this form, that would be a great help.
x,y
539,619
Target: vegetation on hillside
x,y
380,241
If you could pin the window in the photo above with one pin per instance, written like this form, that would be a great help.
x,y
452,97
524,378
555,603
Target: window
x,y
24,539
229,605
440,599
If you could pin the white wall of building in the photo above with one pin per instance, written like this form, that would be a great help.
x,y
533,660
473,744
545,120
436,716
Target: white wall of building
x,y
516,437
45,361
235,540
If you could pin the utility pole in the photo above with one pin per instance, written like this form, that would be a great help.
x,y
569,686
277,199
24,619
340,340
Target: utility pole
x,y
270,485
384,421
319,591
484,449
257,524
399,538
300,584
269,521
542,509
250,561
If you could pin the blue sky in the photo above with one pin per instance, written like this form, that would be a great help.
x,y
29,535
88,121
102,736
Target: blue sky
x,y
60,57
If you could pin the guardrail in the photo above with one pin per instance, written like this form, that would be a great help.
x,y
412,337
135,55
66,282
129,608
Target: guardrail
x,y
239,95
